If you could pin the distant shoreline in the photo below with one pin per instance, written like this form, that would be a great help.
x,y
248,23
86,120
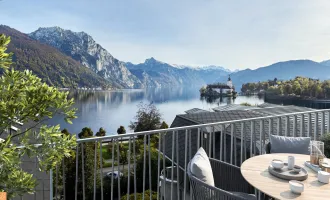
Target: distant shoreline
x,y
294,97
99,90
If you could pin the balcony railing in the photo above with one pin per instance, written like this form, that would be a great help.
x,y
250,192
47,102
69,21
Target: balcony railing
x,y
171,149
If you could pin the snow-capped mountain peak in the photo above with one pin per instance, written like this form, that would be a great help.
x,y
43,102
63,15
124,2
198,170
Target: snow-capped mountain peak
x,y
214,67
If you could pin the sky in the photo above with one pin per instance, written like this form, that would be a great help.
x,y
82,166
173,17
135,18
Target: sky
x,y
235,34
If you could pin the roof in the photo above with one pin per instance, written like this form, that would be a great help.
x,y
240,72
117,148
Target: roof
x,y
211,117
195,110
268,105
226,87
282,110
219,85
230,115
233,107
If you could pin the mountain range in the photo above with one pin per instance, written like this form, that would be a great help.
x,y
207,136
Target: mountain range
x,y
282,71
326,62
65,58
152,73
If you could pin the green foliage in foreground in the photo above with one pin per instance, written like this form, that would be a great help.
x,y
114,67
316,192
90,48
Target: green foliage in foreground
x,y
26,99
326,139
139,196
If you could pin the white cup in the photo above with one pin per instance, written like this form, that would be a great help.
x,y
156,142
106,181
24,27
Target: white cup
x,y
296,187
277,164
323,176
291,161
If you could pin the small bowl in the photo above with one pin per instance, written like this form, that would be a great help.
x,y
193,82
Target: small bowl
x,y
277,164
296,169
323,176
296,187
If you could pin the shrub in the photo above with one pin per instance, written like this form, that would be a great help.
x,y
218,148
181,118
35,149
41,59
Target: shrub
x,y
326,139
245,104
139,196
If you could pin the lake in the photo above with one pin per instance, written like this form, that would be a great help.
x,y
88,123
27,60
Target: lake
x,y
111,109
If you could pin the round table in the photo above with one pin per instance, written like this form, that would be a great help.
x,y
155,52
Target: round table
x,y
255,171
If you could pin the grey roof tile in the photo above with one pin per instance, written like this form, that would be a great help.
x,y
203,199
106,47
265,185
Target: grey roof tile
x,y
195,110
233,107
268,105
211,117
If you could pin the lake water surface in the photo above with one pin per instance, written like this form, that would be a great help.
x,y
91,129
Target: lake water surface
x,y
110,109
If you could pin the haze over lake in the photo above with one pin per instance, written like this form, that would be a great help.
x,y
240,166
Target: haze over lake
x,y
110,109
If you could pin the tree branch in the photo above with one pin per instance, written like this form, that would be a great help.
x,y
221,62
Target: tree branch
x,y
18,134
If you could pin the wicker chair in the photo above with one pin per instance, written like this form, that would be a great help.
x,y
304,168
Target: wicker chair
x,y
229,184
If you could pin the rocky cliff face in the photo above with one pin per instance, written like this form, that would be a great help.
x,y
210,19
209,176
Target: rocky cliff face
x,y
82,47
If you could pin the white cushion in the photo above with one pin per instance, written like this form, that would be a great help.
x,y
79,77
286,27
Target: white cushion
x,y
201,167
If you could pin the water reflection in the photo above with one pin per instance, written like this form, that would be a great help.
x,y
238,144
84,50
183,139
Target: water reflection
x,y
219,100
110,109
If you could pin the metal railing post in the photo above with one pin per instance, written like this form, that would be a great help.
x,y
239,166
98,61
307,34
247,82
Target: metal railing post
x,y
50,184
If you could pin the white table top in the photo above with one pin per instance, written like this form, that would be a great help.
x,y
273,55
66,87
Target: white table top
x,y
255,171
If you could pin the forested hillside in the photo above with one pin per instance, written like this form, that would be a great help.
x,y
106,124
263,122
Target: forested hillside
x,y
52,66
299,86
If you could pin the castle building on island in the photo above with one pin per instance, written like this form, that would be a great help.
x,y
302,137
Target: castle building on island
x,y
224,88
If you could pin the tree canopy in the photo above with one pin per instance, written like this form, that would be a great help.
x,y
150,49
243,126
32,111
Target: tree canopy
x,y
85,133
101,132
121,130
26,99
300,86
163,125
147,118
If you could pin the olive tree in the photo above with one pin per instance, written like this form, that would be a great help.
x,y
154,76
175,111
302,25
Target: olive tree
x,y
24,98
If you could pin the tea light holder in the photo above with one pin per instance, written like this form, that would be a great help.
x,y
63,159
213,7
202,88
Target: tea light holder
x,y
323,177
296,187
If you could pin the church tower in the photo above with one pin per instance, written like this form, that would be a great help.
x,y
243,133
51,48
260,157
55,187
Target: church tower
x,y
229,82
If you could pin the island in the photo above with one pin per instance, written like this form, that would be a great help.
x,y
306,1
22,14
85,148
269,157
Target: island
x,y
219,90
